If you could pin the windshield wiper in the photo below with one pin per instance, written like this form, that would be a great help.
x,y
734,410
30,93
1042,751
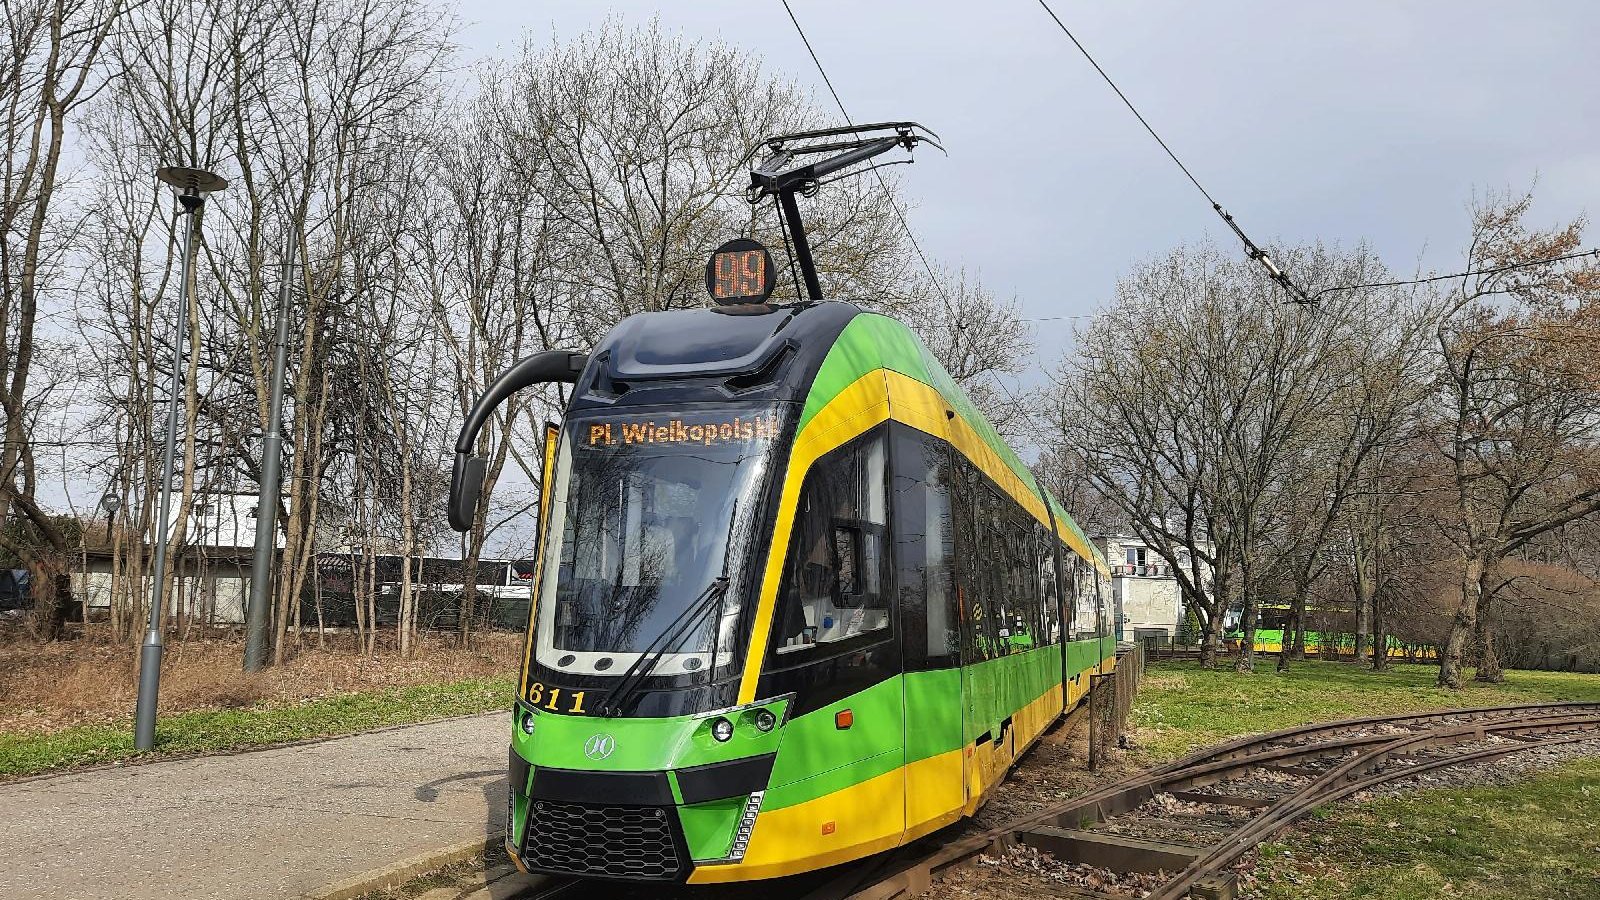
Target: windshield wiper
x,y
671,636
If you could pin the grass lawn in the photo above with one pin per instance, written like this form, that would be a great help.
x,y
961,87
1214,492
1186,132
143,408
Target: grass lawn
x,y
1182,707
1533,839
267,722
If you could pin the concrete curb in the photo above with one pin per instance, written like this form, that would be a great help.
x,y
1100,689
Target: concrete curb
x,y
402,871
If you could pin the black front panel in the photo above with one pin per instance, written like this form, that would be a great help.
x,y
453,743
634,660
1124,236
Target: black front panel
x,y
691,355
718,781
518,772
627,842
576,785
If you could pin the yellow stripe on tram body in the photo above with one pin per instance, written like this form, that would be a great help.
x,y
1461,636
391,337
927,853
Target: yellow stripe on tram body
x,y
874,398
866,817
552,443
860,406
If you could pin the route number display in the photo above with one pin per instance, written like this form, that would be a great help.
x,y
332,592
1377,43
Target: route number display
x,y
740,271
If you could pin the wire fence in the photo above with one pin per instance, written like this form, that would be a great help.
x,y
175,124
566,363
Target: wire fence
x,y
1111,698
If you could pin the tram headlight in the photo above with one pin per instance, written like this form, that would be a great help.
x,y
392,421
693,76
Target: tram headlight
x,y
722,730
527,722
765,720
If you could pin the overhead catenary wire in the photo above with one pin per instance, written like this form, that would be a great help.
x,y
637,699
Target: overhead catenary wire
x,y
1492,270
1056,318
1250,248
882,182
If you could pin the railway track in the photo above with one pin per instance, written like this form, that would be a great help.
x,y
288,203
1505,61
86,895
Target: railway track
x,y
1189,821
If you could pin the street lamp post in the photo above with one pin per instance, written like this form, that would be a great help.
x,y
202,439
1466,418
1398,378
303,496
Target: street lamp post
x,y
192,186
255,617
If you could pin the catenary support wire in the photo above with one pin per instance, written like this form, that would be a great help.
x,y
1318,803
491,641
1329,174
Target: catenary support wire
x,y
1492,270
1250,248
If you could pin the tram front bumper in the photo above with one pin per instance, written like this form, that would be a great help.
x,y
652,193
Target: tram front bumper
x,y
570,814
655,826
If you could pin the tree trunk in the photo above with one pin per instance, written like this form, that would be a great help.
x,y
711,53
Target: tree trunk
x,y
1286,643
1247,645
316,600
1489,670
51,592
1464,623
356,582
371,577
1380,640
1210,642
469,591
1215,613
1364,592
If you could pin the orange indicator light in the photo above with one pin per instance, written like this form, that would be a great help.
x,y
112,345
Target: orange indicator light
x,y
843,719
827,828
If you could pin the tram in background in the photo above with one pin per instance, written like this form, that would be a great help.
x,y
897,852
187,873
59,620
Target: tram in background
x,y
797,601
1331,633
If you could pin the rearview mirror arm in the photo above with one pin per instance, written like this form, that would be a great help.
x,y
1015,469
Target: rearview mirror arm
x,y
467,474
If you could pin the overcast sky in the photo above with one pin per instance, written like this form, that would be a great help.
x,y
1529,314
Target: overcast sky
x,y
1334,121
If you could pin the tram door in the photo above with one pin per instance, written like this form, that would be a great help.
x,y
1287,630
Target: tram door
x,y
978,579
925,558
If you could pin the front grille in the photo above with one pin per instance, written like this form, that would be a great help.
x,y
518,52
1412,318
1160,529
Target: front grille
x,y
602,841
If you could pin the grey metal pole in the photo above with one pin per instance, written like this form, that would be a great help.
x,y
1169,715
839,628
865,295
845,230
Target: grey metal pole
x,y
255,619
144,727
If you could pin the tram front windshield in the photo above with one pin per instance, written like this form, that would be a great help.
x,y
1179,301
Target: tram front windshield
x,y
648,511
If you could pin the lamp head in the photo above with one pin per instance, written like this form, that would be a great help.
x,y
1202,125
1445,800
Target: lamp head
x,y
192,184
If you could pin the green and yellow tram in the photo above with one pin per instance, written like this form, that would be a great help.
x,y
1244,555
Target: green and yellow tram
x,y
797,601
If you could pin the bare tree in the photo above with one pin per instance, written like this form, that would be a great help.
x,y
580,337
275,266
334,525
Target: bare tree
x,y
1229,427
49,68
1520,422
978,338
1131,407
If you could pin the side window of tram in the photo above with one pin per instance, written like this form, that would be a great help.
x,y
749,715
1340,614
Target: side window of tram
x,y
1067,577
833,580
1028,583
995,605
1020,627
969,609
1050,609
1085,615
924,548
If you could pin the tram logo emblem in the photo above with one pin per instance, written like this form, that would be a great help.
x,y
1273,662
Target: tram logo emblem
x,y
599,746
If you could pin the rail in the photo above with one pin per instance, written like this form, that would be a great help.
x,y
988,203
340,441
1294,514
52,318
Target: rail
x,y
1148,822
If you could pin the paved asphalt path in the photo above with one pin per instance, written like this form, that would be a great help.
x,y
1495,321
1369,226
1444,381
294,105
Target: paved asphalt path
x,y
263,825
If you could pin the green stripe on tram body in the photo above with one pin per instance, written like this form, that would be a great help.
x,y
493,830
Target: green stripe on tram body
x,y
645,744
899,721
872,342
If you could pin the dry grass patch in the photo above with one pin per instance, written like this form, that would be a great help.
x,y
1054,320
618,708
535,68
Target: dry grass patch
x,y
94,682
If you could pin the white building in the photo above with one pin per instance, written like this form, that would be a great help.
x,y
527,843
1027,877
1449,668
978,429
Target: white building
x,y
212,574
213,570
1147,602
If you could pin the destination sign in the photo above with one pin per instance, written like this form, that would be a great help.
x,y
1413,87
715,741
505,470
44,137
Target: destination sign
x,y
755,427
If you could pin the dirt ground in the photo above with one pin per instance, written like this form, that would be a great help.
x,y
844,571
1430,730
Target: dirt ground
x,y
90,680
1054,771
